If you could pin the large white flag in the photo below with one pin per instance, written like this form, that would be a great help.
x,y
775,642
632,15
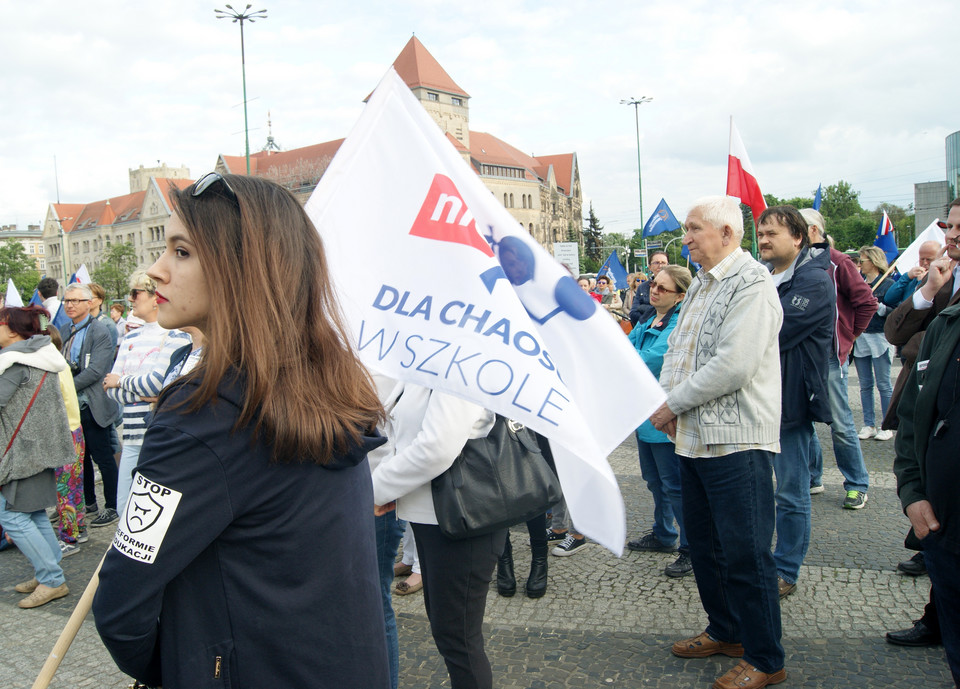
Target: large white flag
x,y
442,287
911,255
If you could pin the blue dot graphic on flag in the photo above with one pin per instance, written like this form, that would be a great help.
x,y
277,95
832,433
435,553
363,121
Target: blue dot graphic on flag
x,y
518,266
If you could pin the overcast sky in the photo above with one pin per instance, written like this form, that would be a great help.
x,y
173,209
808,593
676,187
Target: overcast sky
x,y
864,91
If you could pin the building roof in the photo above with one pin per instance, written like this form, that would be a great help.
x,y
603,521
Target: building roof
x,y
112,211
67,213
564,166
418,68
294,168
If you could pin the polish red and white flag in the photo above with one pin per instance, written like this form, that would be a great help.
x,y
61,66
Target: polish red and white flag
x,y
741,181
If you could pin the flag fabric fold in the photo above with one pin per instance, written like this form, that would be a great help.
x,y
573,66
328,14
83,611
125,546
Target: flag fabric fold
x,y
741,181
13,297
818,197
910,256
466,302
614,269
886,239
662,220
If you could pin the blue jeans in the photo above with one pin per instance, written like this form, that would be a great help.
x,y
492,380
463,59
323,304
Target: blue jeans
x,y
866,367
942,565
660,468
846,444
792,468
729,514
32,533
389,530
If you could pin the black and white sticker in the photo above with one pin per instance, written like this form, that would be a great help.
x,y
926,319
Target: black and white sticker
x,y
149,511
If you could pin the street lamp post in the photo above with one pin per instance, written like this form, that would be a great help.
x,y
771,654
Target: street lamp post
x,y
241,17
636,103
63,254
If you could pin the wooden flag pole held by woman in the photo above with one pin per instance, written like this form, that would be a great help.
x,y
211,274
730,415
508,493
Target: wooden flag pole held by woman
x,y
69,632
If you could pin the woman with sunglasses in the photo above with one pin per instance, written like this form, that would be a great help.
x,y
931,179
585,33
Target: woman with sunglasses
x,y
216,576
659,464
37,440
137,375
609,296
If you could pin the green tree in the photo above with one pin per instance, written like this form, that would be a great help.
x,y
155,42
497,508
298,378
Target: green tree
x,y
593,239
840,201
14,263
118,262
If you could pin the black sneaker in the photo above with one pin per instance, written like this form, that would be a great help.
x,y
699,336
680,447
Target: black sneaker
x,y
569,546
554,536
651,544
92,510
913,567
105,518
680,567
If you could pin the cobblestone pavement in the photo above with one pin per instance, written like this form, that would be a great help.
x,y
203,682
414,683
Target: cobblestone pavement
x,y
607,621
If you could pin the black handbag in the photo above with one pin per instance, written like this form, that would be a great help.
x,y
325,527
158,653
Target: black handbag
x,y
495,482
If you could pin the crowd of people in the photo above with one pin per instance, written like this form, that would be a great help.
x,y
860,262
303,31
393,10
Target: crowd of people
x,y
237,426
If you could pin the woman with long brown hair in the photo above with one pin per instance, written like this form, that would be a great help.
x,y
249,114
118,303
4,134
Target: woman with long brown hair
x,y
218,572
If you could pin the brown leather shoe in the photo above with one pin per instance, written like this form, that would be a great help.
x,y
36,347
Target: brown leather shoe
x,y
43,595
785,589
27,586
745,676
702,646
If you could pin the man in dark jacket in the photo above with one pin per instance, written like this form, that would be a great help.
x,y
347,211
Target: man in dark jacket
x,y
88,349
809,303
928,474
905,327
855,308
640,308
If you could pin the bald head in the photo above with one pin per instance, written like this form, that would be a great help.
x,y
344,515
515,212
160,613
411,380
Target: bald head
x,y
928,251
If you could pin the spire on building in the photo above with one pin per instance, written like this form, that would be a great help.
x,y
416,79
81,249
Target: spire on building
x,y
271,145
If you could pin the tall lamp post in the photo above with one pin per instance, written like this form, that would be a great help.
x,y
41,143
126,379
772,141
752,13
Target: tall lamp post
x,y
63,254
241,17
636,103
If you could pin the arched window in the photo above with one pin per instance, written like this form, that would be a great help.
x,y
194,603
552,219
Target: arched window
x,y
505,200
511,200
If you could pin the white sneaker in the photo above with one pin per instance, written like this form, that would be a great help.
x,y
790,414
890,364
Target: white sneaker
x,y
867,432
883,435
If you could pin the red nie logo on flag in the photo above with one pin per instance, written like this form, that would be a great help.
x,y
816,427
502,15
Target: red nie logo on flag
x,y
445,216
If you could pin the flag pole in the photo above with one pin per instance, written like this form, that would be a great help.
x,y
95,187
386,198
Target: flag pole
x,y
70,630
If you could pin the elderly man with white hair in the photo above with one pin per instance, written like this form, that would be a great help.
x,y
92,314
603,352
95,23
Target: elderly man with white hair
x,y
722,378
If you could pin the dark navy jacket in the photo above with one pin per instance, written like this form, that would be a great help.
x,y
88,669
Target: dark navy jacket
x,y
806,338
229,570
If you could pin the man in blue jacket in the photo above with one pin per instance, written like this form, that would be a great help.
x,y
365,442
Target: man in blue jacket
x,y
809,303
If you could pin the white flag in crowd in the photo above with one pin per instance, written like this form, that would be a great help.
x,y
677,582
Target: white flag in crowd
x,y
442,287
911,255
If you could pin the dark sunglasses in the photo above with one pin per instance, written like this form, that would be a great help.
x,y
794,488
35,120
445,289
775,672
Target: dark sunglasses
x,y
135,292
211,178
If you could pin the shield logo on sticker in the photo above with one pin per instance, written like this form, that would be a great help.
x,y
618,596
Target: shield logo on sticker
x,y
142,512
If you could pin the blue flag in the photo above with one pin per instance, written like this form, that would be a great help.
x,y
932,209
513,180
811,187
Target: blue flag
x,y
818,197
662,220
886,240
685,252
614,269
35,300
60,318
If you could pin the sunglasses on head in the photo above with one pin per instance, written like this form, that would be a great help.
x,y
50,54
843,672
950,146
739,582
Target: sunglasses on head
x,y
208,180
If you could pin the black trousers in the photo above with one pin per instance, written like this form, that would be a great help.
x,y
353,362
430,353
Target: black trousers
x,y
99,450
456,579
